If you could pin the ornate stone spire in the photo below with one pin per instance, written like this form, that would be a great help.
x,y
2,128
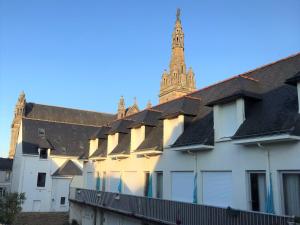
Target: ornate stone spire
x,y
177,82
15,126
121,108
149,104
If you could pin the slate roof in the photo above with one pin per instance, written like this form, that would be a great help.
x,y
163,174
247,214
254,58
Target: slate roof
x,y
69,168
102,149
270,106
6,164
67,115
66,130
65,139
146,117
101,133
123,146
120,126
153,140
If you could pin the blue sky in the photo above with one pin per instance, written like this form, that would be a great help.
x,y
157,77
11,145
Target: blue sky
x,y
86,54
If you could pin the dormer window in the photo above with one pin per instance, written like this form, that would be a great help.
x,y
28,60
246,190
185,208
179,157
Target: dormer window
x,y
227,118
173,128
137,136
112,142
41,132
93,146
43,153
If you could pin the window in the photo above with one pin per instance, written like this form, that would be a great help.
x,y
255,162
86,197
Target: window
x,y
2,192
63,200
43,153
159,184
257,182
146,186
104,181
291,192
41,132
7,176
41,179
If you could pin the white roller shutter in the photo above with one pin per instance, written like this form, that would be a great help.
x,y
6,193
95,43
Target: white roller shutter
x,y
182,186
114,180
217,188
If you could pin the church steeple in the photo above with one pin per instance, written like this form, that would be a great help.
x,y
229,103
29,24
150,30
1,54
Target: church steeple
x,y
177,82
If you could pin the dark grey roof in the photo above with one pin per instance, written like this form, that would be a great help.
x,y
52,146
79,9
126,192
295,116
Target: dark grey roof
x,y
293,80
183,106
102,149
275,113
65,139
101,133
123,146
6,164
146,117
120,126
69,168
153,138
67,115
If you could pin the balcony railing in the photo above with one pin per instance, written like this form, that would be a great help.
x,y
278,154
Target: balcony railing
x,y
172,212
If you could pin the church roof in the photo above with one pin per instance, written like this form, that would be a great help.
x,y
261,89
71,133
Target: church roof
x,y
67,115
69,168
66,131
62,138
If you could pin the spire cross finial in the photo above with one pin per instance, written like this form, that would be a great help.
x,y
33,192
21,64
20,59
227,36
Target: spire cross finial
x,y
178,14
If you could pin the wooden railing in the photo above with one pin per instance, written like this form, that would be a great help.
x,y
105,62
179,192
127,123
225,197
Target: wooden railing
x,y
172,212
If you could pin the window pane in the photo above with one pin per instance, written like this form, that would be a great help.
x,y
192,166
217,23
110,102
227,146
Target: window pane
x,y
291,188
258,191
41,179
159,185
147,174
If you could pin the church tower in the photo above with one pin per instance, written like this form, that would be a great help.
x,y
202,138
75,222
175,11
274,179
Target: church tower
x,y
15,126
178,81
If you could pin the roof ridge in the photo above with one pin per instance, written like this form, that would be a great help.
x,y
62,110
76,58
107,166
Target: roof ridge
x,y
54,121
243,75
62,107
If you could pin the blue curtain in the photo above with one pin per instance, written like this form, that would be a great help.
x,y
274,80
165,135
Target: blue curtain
x,y
269,201
98,184
195,196
120,185
149,191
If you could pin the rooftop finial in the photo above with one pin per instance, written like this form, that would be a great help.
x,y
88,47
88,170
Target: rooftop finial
x,y
178,14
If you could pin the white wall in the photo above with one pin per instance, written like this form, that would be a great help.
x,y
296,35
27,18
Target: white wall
x,y
137,137
227,118
173,128
112,142
226,157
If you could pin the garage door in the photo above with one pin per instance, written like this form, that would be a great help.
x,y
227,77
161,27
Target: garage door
x,y
182,186
217,188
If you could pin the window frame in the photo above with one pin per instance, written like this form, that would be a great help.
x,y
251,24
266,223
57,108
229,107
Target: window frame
x,y
248,187
45,150
63,199
282,197
37,182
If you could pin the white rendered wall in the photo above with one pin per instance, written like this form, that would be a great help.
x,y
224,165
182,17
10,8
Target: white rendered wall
x,y
173,128
93,146
227,118
61,187
137,137
112,142
226,156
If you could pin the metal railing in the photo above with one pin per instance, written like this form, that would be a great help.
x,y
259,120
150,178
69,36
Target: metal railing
x,y
172,212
